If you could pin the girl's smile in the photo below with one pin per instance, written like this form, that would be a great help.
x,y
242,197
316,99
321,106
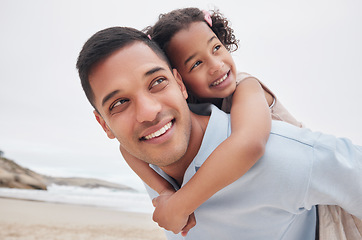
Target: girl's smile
x,y
222,82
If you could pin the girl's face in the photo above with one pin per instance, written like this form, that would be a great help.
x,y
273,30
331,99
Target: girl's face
x,y
206,66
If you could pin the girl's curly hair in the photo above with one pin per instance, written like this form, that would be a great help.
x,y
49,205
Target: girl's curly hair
x,y
171,23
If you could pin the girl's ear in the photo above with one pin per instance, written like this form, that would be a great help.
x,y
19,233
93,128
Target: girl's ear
x,y
180,82
104,125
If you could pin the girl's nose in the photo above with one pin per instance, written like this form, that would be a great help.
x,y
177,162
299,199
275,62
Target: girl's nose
x,y
215,65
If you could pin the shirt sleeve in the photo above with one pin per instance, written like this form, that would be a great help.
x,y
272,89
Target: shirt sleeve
x,y
336,176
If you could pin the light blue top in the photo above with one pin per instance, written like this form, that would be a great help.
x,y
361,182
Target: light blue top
x,y
276,198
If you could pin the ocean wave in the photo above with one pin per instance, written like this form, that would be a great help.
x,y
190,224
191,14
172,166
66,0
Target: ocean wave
x,y
98,197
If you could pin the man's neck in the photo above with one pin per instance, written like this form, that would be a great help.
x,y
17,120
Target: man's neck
x,y
198,127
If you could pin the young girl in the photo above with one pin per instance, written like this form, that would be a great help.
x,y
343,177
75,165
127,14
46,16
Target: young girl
x,y
198,45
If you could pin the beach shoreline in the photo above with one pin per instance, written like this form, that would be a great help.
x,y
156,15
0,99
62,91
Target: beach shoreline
x,y
30,220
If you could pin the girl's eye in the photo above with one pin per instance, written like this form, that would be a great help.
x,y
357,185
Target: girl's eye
x,y
119,102
195,65
216,48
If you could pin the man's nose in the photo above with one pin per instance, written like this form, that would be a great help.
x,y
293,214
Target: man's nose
x,y
147,108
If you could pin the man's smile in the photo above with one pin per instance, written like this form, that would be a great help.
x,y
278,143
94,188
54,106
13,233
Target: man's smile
x,y
159,132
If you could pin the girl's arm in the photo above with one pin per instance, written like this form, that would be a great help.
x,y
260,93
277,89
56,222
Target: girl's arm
x,y
147,174
154,181
251,124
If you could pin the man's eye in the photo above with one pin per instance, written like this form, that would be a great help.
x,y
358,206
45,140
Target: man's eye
x,y
157,82
119,102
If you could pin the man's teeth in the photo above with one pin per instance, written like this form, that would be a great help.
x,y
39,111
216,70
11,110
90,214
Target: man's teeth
x,y
159,132
220,80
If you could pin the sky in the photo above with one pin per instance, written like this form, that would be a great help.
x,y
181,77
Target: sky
x,y
309,53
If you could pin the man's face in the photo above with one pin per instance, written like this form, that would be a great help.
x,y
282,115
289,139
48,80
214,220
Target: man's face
x,y
141,102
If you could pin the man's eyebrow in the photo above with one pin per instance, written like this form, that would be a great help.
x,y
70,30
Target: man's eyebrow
x,y
193,55
154,70
109,96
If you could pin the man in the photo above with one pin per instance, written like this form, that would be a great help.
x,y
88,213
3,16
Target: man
x,y
129,82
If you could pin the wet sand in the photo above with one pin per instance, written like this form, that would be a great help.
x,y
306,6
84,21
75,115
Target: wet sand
x,y
33,220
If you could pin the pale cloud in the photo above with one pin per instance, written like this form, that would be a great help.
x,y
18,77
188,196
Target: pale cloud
x,y
307,52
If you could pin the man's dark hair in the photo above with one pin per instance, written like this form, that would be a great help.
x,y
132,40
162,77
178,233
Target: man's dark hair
x,y
102,44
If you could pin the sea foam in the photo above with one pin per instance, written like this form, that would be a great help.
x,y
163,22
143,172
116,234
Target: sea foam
x,y
129,201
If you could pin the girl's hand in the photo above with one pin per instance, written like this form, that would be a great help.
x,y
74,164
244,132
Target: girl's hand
x,y
190,224
171,217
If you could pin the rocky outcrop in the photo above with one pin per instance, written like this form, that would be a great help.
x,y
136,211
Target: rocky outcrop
x,y
85,182
13,175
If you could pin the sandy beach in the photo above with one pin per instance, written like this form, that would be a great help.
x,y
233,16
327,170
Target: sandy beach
x,y
34,220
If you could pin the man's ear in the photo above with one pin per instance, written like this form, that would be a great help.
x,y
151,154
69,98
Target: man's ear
x,y
180,82
104,125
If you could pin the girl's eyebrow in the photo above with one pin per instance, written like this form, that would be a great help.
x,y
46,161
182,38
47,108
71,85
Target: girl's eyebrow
x,y
210,40
189,59
193,55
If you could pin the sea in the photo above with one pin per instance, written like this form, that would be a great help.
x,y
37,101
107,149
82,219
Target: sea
x,y
119,200
113,170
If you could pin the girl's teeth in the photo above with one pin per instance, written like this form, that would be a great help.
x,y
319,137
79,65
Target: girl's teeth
x,y
159,132
220,80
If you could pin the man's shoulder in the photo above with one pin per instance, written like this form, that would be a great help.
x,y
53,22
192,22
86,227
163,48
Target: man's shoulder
x,y
204,109
286,130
